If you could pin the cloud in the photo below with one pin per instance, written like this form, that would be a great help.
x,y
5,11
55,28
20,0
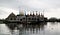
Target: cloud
x,y
52,7
53,13
6,11
37,4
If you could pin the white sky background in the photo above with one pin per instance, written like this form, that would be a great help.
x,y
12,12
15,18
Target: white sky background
x,y
51,7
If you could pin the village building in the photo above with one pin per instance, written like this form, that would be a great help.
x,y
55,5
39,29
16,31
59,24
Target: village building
x,y
26,18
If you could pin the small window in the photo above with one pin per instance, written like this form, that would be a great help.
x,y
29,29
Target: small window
x,y
37,19
29,18
20,19
10,18
32,18
23,18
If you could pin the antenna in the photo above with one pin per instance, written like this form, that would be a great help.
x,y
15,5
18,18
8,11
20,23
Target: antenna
x,y
25,12
43,11
19,9
39,13
33,13
36,12
30,13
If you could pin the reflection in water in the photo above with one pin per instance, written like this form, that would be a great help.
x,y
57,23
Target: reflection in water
x,y
40,29
31,29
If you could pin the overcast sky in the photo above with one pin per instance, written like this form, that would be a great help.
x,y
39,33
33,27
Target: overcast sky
x,y
51,7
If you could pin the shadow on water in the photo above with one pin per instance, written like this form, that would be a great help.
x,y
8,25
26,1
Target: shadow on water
x,y
25,28
13,25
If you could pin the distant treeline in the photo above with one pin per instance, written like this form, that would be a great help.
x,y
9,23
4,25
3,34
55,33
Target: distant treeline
x,y
1,21
53,20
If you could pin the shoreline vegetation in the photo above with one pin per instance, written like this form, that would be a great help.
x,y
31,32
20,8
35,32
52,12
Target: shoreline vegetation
x,y
48,20
1,21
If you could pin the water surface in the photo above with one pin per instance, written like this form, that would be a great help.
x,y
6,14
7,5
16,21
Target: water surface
x,y
41,29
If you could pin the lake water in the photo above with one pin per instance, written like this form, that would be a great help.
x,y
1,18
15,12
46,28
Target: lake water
x,y
45,29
